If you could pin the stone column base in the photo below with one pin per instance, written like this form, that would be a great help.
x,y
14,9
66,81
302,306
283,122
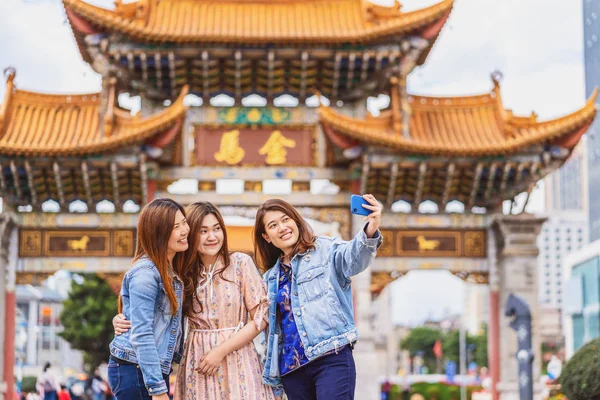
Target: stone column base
x,y
367,379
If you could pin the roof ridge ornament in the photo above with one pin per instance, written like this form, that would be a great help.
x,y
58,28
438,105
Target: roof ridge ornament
x,y
375,11
9,73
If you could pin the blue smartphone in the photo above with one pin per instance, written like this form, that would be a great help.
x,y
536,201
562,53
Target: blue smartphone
x,y
356,205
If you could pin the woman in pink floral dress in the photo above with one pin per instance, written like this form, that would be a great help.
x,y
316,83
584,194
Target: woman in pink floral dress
x,y
226,306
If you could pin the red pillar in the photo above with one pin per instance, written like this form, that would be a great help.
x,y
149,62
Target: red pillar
x,y
9,343
151,190
494,342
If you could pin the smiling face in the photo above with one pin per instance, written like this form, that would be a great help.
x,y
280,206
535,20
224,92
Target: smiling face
x,y
211,237
178,241
281,230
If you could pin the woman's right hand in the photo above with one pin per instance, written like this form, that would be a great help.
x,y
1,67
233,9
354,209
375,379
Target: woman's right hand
x,y
163,396
121,324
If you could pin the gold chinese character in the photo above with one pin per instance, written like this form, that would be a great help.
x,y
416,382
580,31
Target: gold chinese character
x,y
230,150
275,148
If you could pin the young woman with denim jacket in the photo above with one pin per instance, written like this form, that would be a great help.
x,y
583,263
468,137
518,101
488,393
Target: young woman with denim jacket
x,y
226,306
151,298
311,330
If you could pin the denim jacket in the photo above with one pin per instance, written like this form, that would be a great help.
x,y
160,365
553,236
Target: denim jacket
x,y
321,298
156,336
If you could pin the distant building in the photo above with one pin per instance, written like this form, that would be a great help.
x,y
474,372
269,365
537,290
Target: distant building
x,y
591,33
37,329
582,300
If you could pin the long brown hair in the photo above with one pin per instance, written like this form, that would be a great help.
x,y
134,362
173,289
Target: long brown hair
x,y
266,253
192,267
154,229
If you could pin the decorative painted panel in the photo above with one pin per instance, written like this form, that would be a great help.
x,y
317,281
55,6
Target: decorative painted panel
x,y
76,243
433,243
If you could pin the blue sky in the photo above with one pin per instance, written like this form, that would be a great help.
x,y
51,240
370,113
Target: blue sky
x,y
537,44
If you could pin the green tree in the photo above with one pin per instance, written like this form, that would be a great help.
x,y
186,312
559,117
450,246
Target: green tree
x,y
580,378
478,343
481,351
421,340
87,319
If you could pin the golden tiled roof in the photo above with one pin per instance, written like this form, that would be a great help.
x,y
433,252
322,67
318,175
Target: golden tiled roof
x,y
258,21
468,126
36,124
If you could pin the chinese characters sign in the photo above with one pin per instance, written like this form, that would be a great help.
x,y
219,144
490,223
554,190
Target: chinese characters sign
x,y
231,146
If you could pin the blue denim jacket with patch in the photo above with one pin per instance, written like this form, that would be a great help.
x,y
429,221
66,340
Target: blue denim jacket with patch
x,y
155,339
321,298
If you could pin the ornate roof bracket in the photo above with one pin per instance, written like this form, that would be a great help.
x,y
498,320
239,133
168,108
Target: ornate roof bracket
x,y
205,74
171,58
86,183
336,75
303,67
144,62
366,167
351,68
158,69
476,183
527,197
491,181
114,177
238,76
32,191
505,175
392,189
2,179
420,183
364,67
144,178
520,172
16,181
59,185
270,67
449,177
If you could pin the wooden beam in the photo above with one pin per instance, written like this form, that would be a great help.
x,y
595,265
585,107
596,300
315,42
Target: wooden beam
x,y
34,197
336,75
366,167
59,186
252,173
205,74
420,184
449,177
527,197
304,64
114,177
475,188
85,174
490,183
392,188
144,178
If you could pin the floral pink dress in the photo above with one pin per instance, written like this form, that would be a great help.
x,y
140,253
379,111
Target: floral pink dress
x,y
225,309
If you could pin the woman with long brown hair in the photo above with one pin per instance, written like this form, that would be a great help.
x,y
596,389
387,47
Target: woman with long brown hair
x,y
221,290
151,298
311,331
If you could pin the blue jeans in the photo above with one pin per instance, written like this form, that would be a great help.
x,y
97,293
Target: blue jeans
x,y
52,395
331,377
127,382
